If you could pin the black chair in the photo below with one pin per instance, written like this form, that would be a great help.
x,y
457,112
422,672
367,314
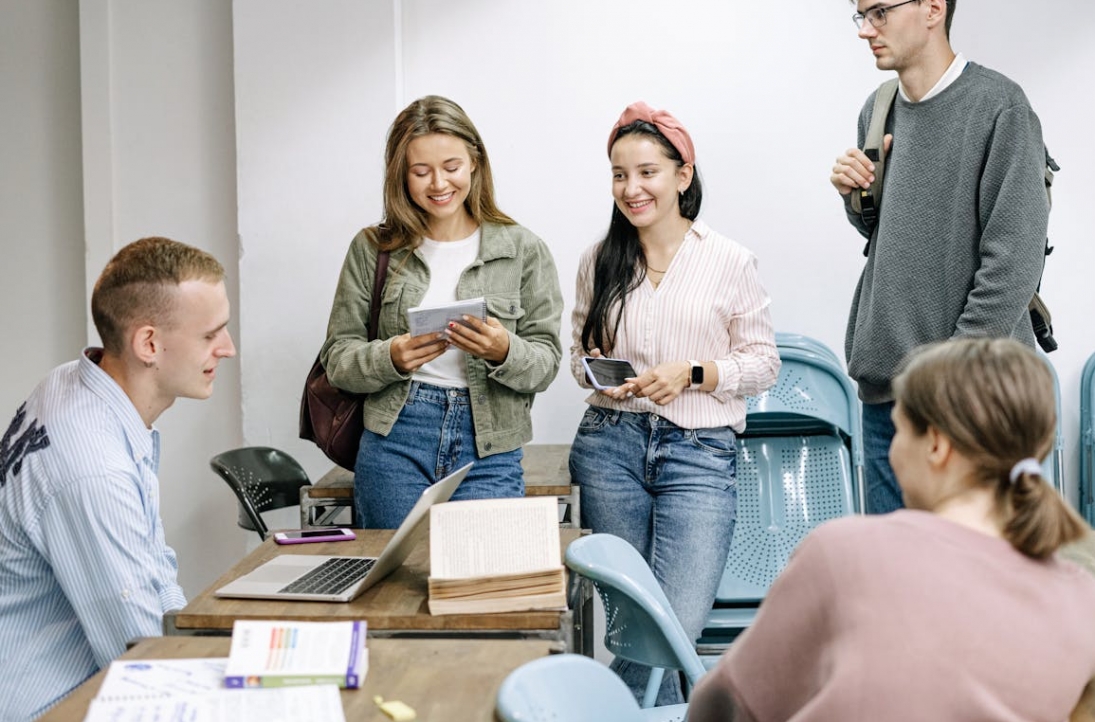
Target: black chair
x,y
262,479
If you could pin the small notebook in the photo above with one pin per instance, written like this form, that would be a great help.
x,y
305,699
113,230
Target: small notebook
x,y
435,319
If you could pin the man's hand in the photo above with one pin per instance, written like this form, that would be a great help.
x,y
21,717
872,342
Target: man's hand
x,y
855,170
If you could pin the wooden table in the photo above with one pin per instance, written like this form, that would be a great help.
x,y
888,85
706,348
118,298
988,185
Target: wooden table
x,y
396,606
442,679
546,474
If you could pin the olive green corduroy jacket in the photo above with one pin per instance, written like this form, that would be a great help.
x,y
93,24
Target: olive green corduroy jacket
x,y
516,274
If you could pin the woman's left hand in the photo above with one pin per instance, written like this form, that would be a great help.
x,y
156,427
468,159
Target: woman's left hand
x,y
486,339
664,382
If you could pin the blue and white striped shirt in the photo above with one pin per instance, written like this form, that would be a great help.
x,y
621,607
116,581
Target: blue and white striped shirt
x,y
84,567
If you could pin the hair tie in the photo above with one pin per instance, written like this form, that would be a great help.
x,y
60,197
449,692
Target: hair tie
x,y
666,124
1024,466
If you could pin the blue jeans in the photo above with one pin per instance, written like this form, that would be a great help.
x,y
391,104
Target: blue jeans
x,y
883,492
432,438
671,493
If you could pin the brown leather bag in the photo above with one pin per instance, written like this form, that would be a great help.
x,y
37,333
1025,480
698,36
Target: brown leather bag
x,y
329,416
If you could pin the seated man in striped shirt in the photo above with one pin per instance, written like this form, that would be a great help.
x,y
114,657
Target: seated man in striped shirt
x,y
84,566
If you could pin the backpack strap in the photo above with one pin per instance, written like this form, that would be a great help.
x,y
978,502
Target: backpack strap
x,y
1040,318
868,202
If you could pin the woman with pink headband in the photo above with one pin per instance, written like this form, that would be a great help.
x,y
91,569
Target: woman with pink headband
x,y
655,456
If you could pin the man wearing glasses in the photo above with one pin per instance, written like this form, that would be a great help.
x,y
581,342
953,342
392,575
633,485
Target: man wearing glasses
x,y
958,246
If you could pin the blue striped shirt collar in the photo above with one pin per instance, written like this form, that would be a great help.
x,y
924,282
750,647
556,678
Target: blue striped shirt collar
x,y
143,441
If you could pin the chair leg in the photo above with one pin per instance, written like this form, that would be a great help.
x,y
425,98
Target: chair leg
x,y
652,687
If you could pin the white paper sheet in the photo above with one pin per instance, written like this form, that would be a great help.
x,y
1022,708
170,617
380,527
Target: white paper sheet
x,y
282,704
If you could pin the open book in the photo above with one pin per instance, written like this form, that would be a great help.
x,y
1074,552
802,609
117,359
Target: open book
x,y
495,555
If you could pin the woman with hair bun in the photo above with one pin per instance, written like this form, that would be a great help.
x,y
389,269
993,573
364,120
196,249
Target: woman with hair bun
x,y
955,608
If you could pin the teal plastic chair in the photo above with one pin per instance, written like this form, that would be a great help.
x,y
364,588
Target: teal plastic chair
x,y
573,688
263,479
640,625
805,343
1087,441
800,463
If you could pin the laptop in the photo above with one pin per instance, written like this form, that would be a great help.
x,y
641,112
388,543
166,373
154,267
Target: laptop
x,y
322,578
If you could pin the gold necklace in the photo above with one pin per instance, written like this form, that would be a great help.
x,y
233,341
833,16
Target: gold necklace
x,y
655,270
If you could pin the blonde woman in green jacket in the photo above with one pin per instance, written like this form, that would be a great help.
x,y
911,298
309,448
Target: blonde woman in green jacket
x,y
440,400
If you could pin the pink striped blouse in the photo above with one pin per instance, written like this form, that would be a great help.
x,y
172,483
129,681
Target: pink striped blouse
x,y
710,305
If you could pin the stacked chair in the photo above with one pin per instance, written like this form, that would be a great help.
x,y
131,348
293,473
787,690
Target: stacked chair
x,y
1087,441
800,463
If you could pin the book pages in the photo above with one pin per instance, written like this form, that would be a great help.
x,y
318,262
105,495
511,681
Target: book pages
x,y
493,537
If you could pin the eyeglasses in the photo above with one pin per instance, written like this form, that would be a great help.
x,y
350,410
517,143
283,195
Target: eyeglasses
x,y
876,16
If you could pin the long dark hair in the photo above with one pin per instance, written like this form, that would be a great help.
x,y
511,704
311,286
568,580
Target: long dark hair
x,y
619,264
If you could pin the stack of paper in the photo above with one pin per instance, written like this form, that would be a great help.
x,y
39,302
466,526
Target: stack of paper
x,y
154,690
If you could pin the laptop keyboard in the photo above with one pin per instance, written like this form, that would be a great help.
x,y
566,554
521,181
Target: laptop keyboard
x,y
333,576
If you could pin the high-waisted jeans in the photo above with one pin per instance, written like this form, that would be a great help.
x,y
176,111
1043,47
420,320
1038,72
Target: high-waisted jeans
x,y
432,438
669,491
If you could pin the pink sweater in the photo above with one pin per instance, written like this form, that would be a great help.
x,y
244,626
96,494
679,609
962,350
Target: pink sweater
x,y
909,616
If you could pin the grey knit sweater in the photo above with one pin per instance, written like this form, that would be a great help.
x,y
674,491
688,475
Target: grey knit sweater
x,y
960,241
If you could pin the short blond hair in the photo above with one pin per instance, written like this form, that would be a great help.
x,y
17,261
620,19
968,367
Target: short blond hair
x,y
137,286
995,400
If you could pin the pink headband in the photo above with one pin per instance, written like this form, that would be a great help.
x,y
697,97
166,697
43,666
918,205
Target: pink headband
x,y
669,126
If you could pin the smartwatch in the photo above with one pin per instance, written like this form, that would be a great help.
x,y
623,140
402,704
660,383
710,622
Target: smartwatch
x,y
697,374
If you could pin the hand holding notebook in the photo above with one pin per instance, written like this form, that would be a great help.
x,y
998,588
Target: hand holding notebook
x,y
435,319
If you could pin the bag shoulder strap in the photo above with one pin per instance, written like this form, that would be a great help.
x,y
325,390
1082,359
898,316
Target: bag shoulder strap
x,y
378,288
867,202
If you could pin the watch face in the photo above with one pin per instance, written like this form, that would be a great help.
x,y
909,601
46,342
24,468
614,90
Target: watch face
x,y
697,374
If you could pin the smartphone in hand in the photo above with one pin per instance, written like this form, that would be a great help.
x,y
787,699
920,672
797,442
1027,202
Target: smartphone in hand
x,y
607,373
304,536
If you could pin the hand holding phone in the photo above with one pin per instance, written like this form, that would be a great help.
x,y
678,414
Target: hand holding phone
x,y
304,536
607,373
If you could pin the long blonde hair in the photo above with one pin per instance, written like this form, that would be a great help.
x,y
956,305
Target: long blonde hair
x,y
994,399
405,224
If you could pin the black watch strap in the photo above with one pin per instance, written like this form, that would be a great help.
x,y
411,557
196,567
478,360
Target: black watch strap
x,y
696,378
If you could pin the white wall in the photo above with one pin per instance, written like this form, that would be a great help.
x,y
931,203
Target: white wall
x,y
313,86
41,211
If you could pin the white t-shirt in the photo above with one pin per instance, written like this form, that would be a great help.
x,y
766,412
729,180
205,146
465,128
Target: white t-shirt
x,y
447,261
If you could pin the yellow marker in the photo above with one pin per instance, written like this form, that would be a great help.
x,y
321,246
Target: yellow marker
x,y
395,709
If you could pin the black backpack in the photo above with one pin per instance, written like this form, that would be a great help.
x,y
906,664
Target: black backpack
x,y
867,203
